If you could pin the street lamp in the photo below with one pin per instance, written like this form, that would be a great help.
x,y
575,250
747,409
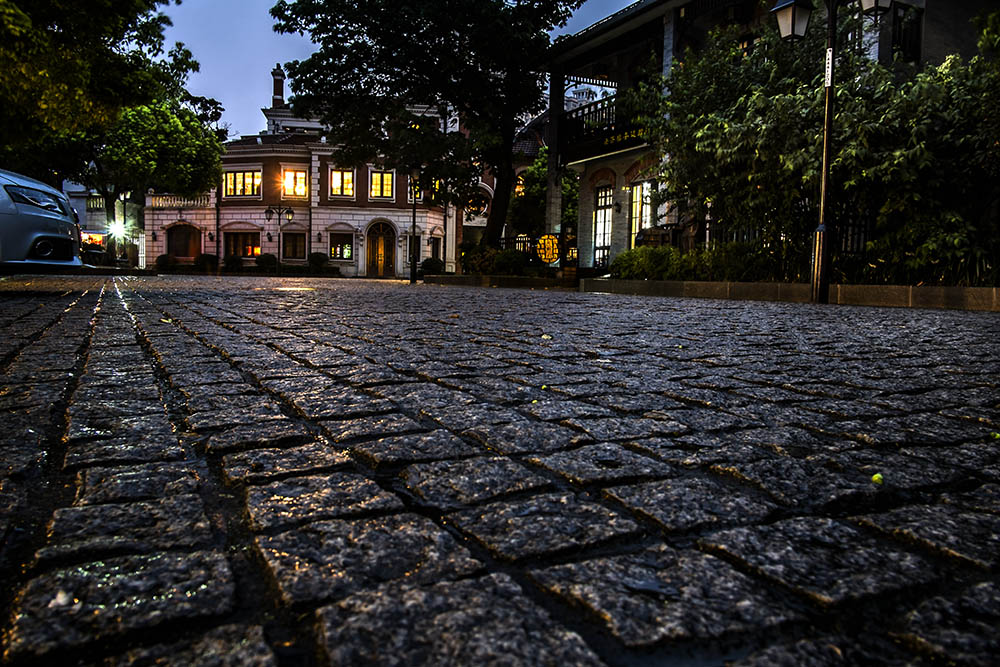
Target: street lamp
x,y
270,212
414,246
793,18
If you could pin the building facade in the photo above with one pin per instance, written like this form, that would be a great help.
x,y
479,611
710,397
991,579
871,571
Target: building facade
x,y
283,193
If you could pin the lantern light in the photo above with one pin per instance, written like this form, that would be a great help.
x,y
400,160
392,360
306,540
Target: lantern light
x,y
793,18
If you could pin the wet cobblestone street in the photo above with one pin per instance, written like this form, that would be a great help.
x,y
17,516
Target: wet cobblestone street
x,y
256,471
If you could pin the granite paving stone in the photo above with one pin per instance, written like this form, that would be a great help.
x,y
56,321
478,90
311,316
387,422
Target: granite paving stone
x,y
269,433
487,621
544,524
455,484
548,409
260,465
328,560
662,594
958,630
299,499
604,462
225,646
986,498
808,555
610,428
691,502
967,535
171,523
370,427
158,445
138,482
67,608
797,483
435,445
524,436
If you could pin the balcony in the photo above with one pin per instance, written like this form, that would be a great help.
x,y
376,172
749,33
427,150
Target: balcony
x,y
174,201
597,129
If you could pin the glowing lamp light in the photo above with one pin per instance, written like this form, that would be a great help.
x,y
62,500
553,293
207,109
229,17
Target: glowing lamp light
x,y
117,229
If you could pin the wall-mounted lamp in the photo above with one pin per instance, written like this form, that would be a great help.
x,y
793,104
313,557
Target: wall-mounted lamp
x,y
618,207
211,236
270,212
319,236
269,237
154,236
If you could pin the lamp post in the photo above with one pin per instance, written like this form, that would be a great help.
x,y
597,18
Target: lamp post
x,y
793,19
414,246
269,213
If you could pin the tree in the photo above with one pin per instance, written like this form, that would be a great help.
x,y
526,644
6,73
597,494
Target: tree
x,y
384,69
67,68
527,208
916,155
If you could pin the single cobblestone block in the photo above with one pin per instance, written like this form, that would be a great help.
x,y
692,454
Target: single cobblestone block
x,y
370,427
433,446
963,630
527,436
486,621
826,652
826,560
660,594
243,409
225,646
686,503
620,428
271,433
480,416
542,525
422,395
455,484
205,374
160,445
68,608
980,459
260,465
549,409
340,403
175,522
328,560
636,403
802,483
132,427
984,499
905,469
705,420
19,456
605,462
301,499
969,536
142,482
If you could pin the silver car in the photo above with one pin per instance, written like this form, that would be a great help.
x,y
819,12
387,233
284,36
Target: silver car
x,y
38,227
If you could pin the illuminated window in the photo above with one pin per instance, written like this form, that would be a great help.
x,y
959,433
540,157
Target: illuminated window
x,y
241,184
342,246
603,206
293,245
294,183
640,213
381,185
341,182
519,185
243,244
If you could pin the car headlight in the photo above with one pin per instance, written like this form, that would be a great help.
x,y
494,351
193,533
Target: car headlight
x,y
36,198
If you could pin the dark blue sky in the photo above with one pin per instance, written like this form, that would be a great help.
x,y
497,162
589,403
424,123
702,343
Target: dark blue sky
x,y
237,48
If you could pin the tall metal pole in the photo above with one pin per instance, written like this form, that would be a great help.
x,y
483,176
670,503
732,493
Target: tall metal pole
x,y
822,237
413,232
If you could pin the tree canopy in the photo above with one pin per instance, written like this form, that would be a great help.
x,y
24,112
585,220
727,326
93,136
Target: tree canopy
x,y
385,70
916,164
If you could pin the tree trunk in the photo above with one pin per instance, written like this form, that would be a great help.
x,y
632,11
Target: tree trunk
x,y
503,188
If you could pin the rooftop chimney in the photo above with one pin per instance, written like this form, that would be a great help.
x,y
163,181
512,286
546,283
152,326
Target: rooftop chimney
x,y
278,98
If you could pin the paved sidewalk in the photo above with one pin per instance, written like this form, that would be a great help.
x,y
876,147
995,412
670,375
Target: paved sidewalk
x,y
297,472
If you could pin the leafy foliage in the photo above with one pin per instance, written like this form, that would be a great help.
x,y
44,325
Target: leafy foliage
x,y
527,209
385,71
916,158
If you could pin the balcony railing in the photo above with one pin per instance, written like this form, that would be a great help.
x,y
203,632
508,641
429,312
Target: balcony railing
x,y
174,201
597,129
95,203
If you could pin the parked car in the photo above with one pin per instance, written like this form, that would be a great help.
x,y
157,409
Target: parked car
x,y
38,227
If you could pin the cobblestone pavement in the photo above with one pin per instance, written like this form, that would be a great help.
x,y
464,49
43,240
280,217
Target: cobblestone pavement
x,y
294,472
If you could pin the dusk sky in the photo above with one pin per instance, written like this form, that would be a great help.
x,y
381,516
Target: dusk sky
x,y
237,48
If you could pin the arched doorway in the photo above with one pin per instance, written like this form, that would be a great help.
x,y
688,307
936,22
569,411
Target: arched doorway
x,y
184,241
381,247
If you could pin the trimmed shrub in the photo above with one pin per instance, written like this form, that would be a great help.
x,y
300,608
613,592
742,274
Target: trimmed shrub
x,y
267,261
206,263
232,263
318,260
432,266
510,263
166,263
479,259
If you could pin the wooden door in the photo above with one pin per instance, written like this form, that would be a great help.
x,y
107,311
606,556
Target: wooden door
x,y
381,247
